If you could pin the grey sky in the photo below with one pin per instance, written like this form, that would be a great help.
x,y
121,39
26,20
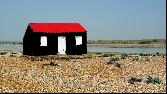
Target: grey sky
x,y
103,19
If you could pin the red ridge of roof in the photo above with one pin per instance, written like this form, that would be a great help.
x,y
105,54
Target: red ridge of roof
x,y
56,27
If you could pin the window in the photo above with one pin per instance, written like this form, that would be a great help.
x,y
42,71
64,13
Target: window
x,y
78,40
43,41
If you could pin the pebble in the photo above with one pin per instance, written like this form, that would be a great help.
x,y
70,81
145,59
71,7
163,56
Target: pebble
x,y
79,75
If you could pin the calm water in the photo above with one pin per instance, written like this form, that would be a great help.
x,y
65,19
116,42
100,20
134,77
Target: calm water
x,y
128,50
11,47
97,49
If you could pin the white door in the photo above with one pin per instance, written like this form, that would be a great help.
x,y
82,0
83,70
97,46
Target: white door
x,y
61,45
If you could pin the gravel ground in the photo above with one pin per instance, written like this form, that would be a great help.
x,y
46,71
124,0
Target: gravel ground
x,y
80,74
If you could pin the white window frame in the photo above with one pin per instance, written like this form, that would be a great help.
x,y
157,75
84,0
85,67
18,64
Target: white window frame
x,y
43,41
78,40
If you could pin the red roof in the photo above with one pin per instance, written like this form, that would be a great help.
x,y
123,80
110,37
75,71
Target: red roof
x,y
56,27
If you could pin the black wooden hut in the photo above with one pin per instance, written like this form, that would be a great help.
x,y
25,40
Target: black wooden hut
x,y
55,38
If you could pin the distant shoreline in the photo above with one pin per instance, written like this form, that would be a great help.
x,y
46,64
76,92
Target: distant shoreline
x,y
113,45
143,43
128,45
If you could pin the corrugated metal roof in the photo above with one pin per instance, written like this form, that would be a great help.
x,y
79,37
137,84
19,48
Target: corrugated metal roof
x,y
56,27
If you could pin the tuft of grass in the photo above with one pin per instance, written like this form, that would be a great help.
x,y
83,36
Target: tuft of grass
x,y
113,60
157,53
3,53
98,53
112,55
147,59
50,64
154,55
141,54
117,65
14,53
136,58
124,56
153,80
105,55
134,79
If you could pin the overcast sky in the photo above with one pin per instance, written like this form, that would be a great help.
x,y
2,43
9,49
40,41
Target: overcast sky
x,y
103,19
